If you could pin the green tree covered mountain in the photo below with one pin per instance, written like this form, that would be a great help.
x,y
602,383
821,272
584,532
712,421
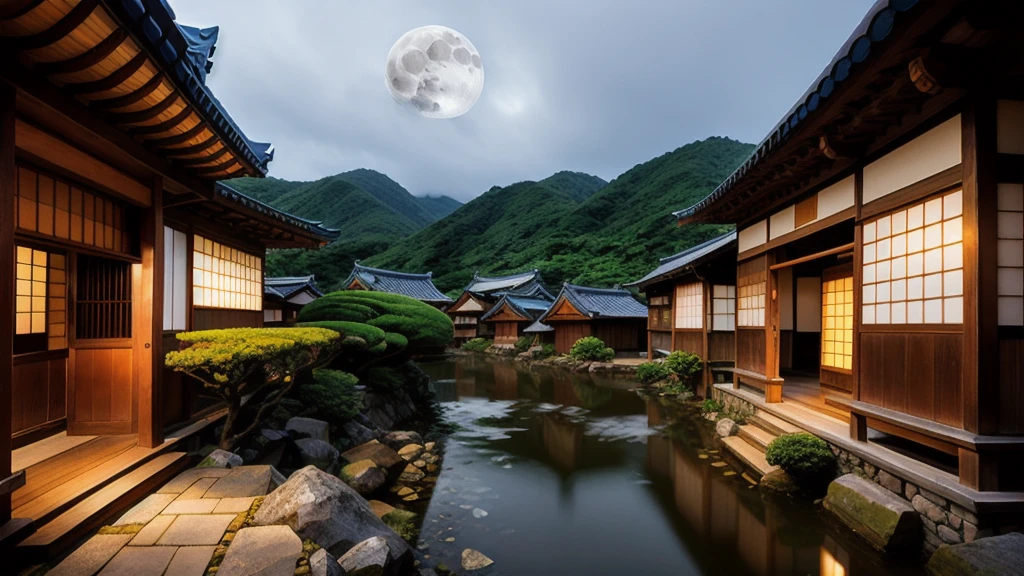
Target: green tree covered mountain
x,y
571,228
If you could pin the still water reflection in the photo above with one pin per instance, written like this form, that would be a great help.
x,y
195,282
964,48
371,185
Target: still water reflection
x,y
556,473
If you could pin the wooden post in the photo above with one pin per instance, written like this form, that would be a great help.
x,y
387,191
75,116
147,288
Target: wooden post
x,y
8,181
147,321
772,318
707,308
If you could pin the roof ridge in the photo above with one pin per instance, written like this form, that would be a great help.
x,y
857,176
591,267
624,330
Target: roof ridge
x,y
396,273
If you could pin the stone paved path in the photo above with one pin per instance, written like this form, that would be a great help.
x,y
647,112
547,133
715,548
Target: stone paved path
x,y
175,531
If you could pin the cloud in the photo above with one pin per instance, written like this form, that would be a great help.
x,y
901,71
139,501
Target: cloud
x,y
589,85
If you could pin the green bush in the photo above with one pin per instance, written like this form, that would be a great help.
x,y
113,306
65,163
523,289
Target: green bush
x,y
589,348
546,351
651,372
711,405
687,367
332,393
524,343
239,362
477,344
803,456
422,325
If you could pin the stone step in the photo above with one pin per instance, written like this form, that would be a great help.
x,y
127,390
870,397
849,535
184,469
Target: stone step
x,y
750,456
756,436
772,423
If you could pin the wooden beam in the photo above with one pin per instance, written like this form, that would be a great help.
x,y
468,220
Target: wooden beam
x,y
144,115
85,60
178,138
835,149
71,159
147,320
131,98
73,19
8,183
115,79
194,149
14,9
162,126
815,256
204,159
772,323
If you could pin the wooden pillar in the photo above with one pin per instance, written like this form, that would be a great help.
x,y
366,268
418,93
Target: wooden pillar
x,y
772,319
706,309
8,181
147,321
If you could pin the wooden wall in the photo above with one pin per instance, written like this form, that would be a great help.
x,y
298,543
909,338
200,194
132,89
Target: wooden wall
x,y
691,341
661,340
622,335
211,319
506,332
567,333
38,393
101,396
750,349
721,347
915,373
1011,386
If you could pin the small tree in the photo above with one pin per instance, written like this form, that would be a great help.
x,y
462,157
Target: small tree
x,y
237,363
591,348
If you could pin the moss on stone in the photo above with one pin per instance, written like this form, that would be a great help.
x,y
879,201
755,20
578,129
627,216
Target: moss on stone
x,y
874,521
403,523
125,529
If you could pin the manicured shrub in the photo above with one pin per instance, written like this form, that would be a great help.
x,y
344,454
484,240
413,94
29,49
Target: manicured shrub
x,y
524,343
589,348
477,344
803,456
238,362
422,325
685,366
545,351
332,394
651,372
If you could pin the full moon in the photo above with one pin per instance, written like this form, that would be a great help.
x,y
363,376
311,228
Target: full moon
x,y
436,71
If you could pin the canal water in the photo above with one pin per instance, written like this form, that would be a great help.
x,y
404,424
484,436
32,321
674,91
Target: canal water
x,y
558,473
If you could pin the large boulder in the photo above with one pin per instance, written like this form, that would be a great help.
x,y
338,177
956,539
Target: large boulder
x,y
380,454
411,452
368,558
399,439
995,555
322,508
221,459
309,428
323,563
317,453
364,476
726,427
357,433
886,521
263,550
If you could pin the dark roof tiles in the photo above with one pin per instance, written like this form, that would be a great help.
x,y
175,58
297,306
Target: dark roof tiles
x,y
602,302
418,286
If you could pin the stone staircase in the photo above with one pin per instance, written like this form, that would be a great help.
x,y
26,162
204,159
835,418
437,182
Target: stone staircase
x,y
750,443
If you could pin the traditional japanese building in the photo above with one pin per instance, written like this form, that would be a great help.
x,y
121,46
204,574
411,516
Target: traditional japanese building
x,y
691,303
483,292
284,297
115,237
611,314
511,315
418,286
880,265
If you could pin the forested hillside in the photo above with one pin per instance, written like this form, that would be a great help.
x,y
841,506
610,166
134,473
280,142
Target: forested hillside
x,y
610,235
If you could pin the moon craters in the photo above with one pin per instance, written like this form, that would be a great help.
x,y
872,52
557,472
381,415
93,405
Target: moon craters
x,y
435,71
414,61
439,51
462,56
477,63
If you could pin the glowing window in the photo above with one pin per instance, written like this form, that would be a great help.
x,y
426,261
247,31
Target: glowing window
x,y
1010,254
723,308
913,264
30,292
750,300
224,277
690,306
40,301
837,323
175,275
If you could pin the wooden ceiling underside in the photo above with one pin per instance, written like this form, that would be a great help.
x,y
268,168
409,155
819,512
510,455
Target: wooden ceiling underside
x,y
80,47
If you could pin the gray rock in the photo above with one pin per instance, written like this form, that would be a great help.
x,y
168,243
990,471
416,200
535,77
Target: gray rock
x,y
726,427
886,521
929,509
317,453
890,482
327,511
995,555
276,478
400,439
322,563
948,535
368,558
263,551
358,433
364,476
221,459
410,452
473,560
309,427
272,435
381,455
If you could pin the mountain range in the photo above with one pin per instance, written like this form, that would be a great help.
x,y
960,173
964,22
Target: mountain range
x,y
572,226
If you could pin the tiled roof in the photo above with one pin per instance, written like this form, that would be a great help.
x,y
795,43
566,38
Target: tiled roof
x,y
689,257
284,287
527,307
491,284
418,286
876,26
602,302
314,227
185,53
536,327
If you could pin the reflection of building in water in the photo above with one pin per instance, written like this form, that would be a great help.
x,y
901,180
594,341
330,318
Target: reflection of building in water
x,y
563,441
563,392
444,390
466,377
732,519
506,382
